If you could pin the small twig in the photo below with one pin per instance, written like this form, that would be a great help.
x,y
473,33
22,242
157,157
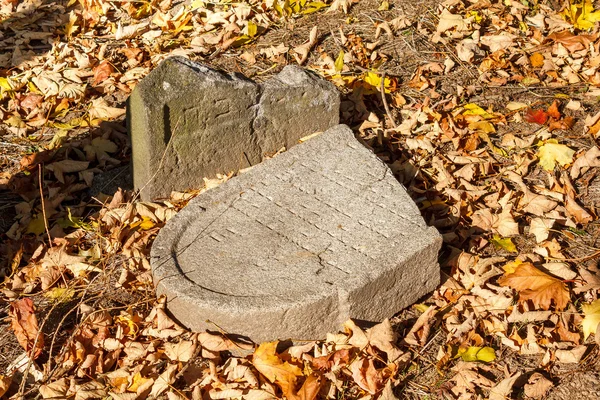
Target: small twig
x,y
385,103
40,175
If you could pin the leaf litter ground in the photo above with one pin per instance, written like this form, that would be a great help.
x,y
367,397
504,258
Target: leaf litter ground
x,y
486,111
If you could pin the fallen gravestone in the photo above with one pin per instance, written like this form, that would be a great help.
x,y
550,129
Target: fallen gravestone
x,y
188,121
297,245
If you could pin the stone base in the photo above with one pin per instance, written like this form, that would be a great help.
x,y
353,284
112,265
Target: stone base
x,y
297,245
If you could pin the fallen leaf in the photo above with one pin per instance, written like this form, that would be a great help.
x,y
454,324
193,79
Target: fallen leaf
x,y
474,353
536,60
504,243
582,15
537,386
553,110
589,159
572,356
537,286
536,116
540,228
101,110
552,153
591,318
503,389
25,325
267,362
102,72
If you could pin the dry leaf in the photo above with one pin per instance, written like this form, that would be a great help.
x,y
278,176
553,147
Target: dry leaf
x,y
25,325
537,286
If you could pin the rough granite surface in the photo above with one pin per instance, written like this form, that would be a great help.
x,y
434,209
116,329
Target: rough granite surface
x,y
297,245
188,121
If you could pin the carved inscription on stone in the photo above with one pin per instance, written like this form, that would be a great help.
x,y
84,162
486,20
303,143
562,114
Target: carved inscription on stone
x,y
318,228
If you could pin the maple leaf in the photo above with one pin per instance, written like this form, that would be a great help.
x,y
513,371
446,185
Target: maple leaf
x,y
537,286
268,363
536,116
592,318
582,16
552,153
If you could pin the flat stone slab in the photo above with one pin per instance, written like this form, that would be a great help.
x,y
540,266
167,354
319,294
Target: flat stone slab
x,y
188,121
297,245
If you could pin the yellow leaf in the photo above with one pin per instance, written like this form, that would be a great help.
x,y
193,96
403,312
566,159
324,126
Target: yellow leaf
x,y
582,16
510,267
474,109
146,224
313,7
482,126
374,79
504,243
267,362
552,153
36,225
537,286
421,307
196,4
339,62
474,353
70,27
592,318
137,381
252,29
61,294
384,6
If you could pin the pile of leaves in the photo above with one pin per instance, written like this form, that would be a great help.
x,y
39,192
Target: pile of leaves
x,y
495,136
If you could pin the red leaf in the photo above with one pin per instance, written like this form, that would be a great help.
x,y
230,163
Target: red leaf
x,y
536,116
102,72
25,325
553,110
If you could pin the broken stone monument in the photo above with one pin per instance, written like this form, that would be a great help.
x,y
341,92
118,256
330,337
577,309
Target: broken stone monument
x,y
297,245
188,121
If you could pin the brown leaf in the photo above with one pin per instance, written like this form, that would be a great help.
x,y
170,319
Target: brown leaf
x,y
25,325
587,160
309,390
537,286
102,72
537,386
366,375
564,124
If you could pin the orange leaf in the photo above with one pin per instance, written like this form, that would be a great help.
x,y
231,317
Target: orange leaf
x,y
309,390
536,116
268,363
537,286
536,60
565,124
102,72
553,110
25,325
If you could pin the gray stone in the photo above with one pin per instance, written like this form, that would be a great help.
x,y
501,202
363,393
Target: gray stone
x,y
297,245
188,121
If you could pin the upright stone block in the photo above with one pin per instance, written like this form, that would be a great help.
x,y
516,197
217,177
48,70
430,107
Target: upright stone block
x,y
297,245
188,121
